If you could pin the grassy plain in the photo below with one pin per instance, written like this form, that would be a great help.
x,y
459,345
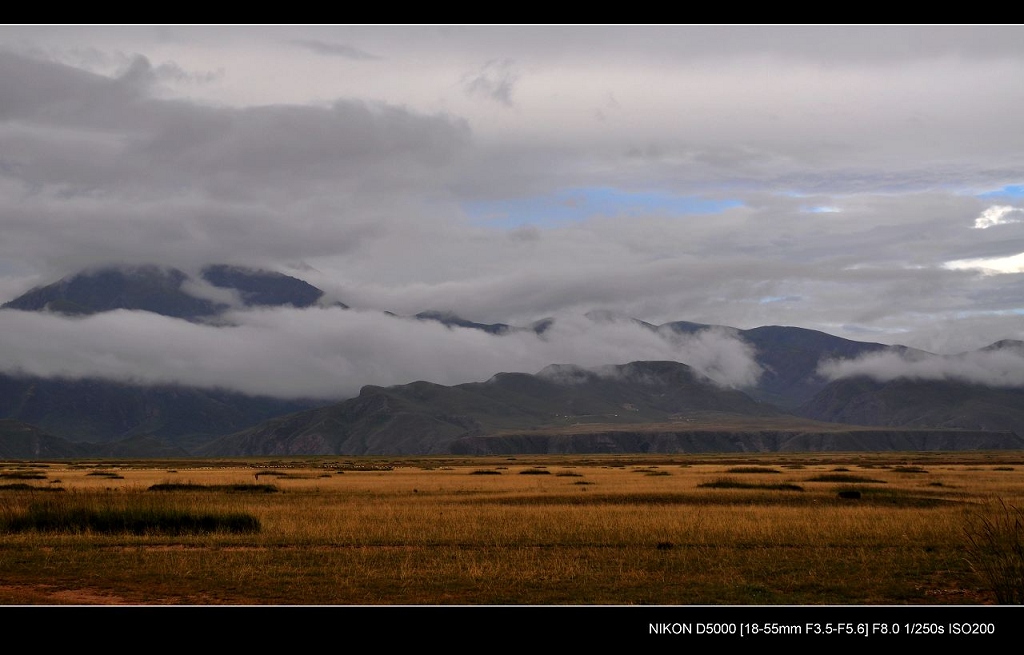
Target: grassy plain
x,y
618,530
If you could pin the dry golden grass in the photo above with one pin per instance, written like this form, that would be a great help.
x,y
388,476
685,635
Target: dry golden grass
x,y
431,530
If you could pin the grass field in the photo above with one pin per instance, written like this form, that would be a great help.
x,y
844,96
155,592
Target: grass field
x,y
913,528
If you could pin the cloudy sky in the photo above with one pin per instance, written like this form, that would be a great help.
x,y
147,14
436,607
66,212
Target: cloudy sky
x,y
863,181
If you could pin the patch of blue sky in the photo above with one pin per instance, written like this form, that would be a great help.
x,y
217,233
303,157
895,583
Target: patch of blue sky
x,y
821,209
1011,191
578,204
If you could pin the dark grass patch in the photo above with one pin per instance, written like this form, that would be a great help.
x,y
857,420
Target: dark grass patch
x,y
752,469
75,519
1002,468
569,474
909,469
366,467
21,486
22,475
729,483
844,477
229,488
287,476
658,473
582,482
485,472
898,498
534,472
841,469
106,474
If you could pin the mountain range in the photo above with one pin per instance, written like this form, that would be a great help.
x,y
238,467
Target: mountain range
x,y
640,406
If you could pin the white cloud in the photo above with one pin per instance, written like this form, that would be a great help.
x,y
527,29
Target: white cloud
x,y
996,215
989,265
331,353
1002,368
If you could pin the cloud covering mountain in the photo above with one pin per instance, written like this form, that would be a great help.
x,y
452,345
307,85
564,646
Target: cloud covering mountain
x,y
331,352
864,181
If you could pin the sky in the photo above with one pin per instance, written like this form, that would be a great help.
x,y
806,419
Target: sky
x,y
864,181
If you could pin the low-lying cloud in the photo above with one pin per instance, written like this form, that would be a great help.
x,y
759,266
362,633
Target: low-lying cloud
x,y
997,368
330,353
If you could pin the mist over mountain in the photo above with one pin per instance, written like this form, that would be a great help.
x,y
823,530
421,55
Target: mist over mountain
x,y
261,364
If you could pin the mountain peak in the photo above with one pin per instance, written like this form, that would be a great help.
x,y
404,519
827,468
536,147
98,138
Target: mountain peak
x,y
164,290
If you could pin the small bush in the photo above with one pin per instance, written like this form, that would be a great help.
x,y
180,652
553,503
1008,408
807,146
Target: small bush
x,y
534,472
995,550
485,472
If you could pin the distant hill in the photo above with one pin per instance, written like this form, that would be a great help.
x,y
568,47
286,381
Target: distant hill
x,y
102,411
918,403
638,407
450,319
146,288
161,291
19,440
263,288
427,418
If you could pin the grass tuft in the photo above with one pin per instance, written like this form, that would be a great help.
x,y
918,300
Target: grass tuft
x,y
995,550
